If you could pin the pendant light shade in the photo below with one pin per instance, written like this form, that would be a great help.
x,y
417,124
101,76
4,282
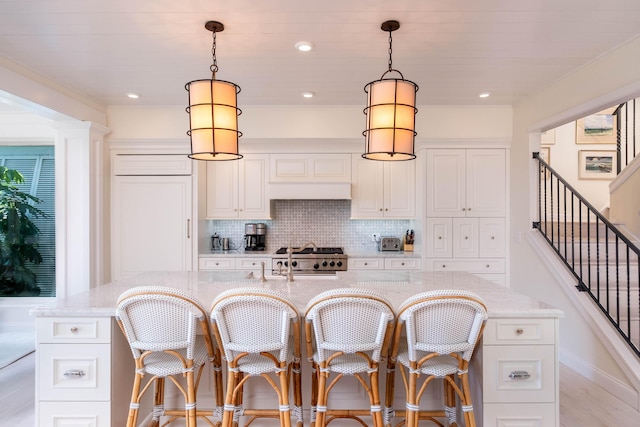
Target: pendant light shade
x,y
390,111
213,113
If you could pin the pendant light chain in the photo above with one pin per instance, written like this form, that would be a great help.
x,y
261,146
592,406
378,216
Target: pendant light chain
x,y
390,51
214,66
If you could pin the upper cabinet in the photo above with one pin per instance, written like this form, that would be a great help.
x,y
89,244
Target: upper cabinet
x,y
383,189
300,168
238,189
466,183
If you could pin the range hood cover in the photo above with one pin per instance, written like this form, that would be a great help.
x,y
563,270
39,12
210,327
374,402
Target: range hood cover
x,y
310,191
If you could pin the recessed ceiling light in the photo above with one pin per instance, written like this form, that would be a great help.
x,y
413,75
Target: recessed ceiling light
x,y
133,95
484,95
303,46
307,94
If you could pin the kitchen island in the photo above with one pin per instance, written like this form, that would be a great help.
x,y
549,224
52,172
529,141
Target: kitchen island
x,y
84,365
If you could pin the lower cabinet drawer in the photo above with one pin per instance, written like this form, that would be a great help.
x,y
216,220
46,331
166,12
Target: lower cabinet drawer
x,y
216,263
402,263
253,264
75,414
77,372
365,264
519,373
73,329
478,266
521,415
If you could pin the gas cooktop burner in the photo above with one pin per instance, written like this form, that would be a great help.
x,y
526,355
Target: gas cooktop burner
x,y
312,251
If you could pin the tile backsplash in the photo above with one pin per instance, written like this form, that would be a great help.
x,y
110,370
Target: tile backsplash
x,y
325,222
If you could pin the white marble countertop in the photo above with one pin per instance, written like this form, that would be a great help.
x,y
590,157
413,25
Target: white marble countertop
x,y
240,253
394,285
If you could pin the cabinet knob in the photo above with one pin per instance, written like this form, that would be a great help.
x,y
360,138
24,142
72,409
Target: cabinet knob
x,y
74,330
366,263
493,238
468,209
74,373
439,237
444,265
402,263
519,331
466,237
380,209
487,266
386,209
519,375
463,209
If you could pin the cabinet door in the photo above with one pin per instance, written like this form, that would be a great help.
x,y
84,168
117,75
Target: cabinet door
x,y
151,219
439,239
399,189
367,188
486,183
222,190
252,183
491,237
445,183
465,237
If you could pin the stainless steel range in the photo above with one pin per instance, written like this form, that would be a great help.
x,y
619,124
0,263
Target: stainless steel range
x,y
309,260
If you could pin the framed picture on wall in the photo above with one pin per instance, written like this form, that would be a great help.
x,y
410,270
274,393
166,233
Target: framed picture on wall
x,y
598,164
548,137
599,128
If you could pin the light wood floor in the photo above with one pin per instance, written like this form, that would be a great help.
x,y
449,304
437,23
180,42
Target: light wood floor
x,y
582,403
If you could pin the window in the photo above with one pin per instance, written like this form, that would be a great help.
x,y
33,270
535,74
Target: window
x,y
37,165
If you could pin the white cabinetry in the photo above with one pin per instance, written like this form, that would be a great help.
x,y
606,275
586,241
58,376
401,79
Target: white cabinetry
x,y
75,384
466,182
466,212
151,214
379,263
249,264
383,189
520,372
312,167
238,189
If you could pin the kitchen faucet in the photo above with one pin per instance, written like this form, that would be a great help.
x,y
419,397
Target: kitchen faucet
x,y
290,252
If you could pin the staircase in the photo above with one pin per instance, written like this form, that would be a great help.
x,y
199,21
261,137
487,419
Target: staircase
x,y
603,260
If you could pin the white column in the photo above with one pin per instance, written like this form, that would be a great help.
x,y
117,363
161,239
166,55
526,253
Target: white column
x,y
80,206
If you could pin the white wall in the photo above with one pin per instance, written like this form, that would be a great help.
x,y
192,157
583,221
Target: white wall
x,y
564,159
605,82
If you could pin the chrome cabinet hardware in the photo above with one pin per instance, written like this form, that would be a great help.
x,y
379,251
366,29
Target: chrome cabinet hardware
x,y
519,375
74,330
74,373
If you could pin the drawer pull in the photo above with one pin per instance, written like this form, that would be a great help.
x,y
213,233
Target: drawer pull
x,y
74,330
519,375
74,373
519,331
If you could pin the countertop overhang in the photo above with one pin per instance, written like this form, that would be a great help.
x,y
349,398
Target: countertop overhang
x,y
394,285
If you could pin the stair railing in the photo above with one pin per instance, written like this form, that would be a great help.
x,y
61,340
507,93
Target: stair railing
x,y
602,259
626,125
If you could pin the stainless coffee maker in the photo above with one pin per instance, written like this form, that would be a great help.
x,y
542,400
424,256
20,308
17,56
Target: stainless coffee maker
x,y
255,236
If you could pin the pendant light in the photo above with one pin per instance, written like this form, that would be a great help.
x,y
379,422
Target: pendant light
x,y
391,112
213,113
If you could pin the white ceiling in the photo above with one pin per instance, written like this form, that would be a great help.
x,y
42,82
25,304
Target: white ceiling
x,y
453,49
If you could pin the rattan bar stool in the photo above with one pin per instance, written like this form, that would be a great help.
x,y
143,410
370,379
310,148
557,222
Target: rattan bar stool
x,y
258,331
442,329
169,335
347,331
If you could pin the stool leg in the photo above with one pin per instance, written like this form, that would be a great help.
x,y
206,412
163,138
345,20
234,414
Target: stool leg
x,y
190,404
229,404
285,411
376,412
450,401
314,394
321,403
389,390
297,393
135,401
469,417
158,402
